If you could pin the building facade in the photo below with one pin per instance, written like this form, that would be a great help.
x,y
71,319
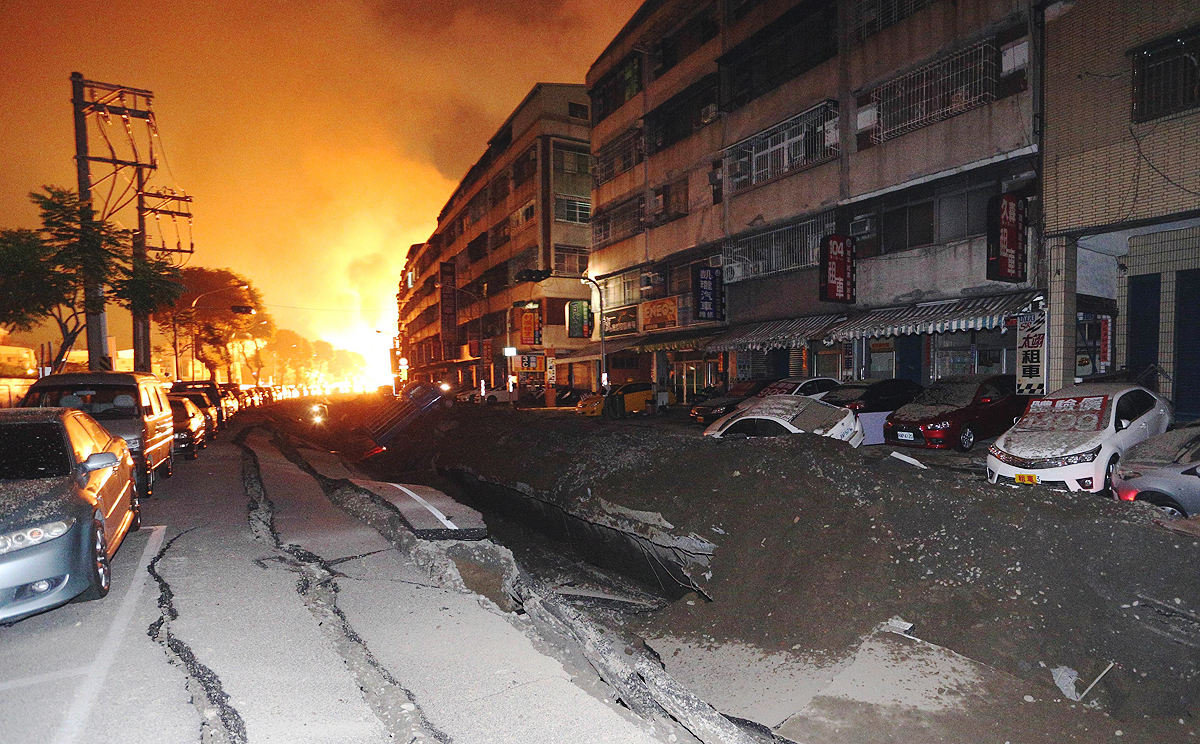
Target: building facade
x,y
524,206
1122,186
859,177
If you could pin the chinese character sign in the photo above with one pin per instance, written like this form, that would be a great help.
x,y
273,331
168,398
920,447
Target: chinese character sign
x,y
836,274
579,319
1006,260
1031,353
449,309
708,293
531,327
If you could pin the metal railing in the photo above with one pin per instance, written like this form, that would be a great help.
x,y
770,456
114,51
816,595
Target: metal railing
x,y
804,140
937,91
794,246
869,17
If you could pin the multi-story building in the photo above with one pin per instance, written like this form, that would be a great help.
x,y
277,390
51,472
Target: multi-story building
x,y
1122,186
525,205
739,140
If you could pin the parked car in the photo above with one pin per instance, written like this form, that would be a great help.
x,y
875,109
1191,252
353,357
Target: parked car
x,y
956,412
1076,437
714,408
810,387
67,500
1164,471
872,401
632,397
189,428
789,414
490,396
131,405
210,412
206,387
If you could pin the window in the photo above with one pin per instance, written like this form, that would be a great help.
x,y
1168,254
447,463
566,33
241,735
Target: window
x,y
670,202
797,143
622,289
869,17
907,226
619,155
570,260
683,114
499,188
618,86
937,91
1166,76
524,214
525,166
679,46
618,222
572,209
794,246
1134,405
571,161
526,259
577,110
500,234
962,214
798,41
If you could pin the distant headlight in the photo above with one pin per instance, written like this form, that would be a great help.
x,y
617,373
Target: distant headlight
x,y
720,410
33,535
938,426
445,386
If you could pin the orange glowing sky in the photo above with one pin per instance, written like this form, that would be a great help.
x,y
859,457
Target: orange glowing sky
x,y
319,139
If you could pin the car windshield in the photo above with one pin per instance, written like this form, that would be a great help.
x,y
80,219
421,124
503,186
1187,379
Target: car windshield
x,y
956,394
741,389
845,394
1082,413
32,450
101,401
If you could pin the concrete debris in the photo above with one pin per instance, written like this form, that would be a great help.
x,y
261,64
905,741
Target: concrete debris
x,y
910,460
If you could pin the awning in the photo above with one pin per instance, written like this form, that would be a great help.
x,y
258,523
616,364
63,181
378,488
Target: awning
x,y
591,352
790,333
691,339
970,314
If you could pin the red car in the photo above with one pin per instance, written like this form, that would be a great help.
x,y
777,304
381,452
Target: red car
x,y
957,412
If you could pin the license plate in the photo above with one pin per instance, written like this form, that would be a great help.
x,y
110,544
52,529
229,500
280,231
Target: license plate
x,y
905,435
1030,478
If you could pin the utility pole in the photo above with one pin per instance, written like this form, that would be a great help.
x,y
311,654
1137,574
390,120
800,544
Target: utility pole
x,y
97,321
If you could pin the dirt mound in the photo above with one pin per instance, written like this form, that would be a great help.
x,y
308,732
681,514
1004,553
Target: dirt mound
x,y
817,543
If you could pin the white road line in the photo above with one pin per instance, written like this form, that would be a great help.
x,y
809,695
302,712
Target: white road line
x,y
87,694
40,678
432,509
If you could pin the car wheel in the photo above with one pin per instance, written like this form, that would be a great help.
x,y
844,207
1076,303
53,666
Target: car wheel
x,y
167,467
194,452
1165,503
1109,470
491,399
144,481
966,439
136,508
99,570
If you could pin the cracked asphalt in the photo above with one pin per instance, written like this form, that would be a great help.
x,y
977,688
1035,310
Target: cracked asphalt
x,y
253,609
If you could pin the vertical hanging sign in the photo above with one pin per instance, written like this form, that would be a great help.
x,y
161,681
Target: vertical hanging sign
x,y
1006,247
449,304
708,293
1031,353
836,274
579,319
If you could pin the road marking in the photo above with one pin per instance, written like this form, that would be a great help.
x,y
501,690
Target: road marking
x,y
87,694
432,509
39,679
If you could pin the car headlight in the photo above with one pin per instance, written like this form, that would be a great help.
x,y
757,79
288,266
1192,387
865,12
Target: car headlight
x,y
18,539
719,411
938,426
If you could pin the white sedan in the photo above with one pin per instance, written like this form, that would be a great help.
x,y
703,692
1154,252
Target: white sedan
x,y
1075,437
811,387
789,414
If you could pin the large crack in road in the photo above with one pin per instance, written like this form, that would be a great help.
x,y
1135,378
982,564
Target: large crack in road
x,y
392,703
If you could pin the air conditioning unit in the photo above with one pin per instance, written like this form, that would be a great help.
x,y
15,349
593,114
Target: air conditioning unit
x,y
708,114
651,279
733,273
862,226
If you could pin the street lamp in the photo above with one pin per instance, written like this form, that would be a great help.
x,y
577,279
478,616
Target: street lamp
x,y
603,361
192,320
477,299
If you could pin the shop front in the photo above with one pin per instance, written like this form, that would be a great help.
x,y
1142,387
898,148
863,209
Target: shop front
x,y
781,348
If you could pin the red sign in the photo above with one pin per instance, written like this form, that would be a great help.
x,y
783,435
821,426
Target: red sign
x,y
531,330
836,275
1006,239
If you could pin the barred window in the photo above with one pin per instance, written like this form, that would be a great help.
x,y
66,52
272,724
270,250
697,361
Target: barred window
x,y
577,110
571,161
572,209
499,188
798,41
937,91
797,143
685,113
794,246
618,222
619,155
525,166
670,202
869,17
623,289
694,34
500,234
570,260
1166,76
618,86
478,247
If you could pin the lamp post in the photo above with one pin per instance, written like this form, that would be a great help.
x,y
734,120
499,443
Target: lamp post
x,y
477,299
192,320
603,361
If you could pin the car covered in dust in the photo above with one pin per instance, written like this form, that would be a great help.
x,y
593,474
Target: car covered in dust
x,y
1075,437
778,415
956,412
1164,471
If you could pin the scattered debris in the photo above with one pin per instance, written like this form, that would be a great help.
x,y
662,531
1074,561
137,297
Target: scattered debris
x,y
1064,677
910,460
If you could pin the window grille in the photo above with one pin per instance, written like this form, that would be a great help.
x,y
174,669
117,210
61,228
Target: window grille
x,y
500,187
618,86
869,17
623,289
571,209
500,234
618,222
795,246
937,91
618,156
670,202
1166,77
570,260
571,161
797,143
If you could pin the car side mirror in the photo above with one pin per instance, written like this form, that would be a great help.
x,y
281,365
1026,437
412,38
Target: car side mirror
x,y
99,461
1123,424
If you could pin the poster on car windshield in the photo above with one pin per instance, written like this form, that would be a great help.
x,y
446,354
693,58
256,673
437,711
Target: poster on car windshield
x,y
1082,413
1031,353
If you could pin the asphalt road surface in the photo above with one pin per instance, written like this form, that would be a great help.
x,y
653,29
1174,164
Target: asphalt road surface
x,y
247,615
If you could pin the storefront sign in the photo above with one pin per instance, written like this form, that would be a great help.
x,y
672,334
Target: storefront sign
x,y
847,359
449,309
708,292
579,319
620,322
530,363
1006,239
1031,353
836,275
659,314
531,327
551,374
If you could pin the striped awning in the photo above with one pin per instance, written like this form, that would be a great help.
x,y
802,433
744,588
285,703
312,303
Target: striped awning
x,y
691,339
790,333
969,314
591,352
